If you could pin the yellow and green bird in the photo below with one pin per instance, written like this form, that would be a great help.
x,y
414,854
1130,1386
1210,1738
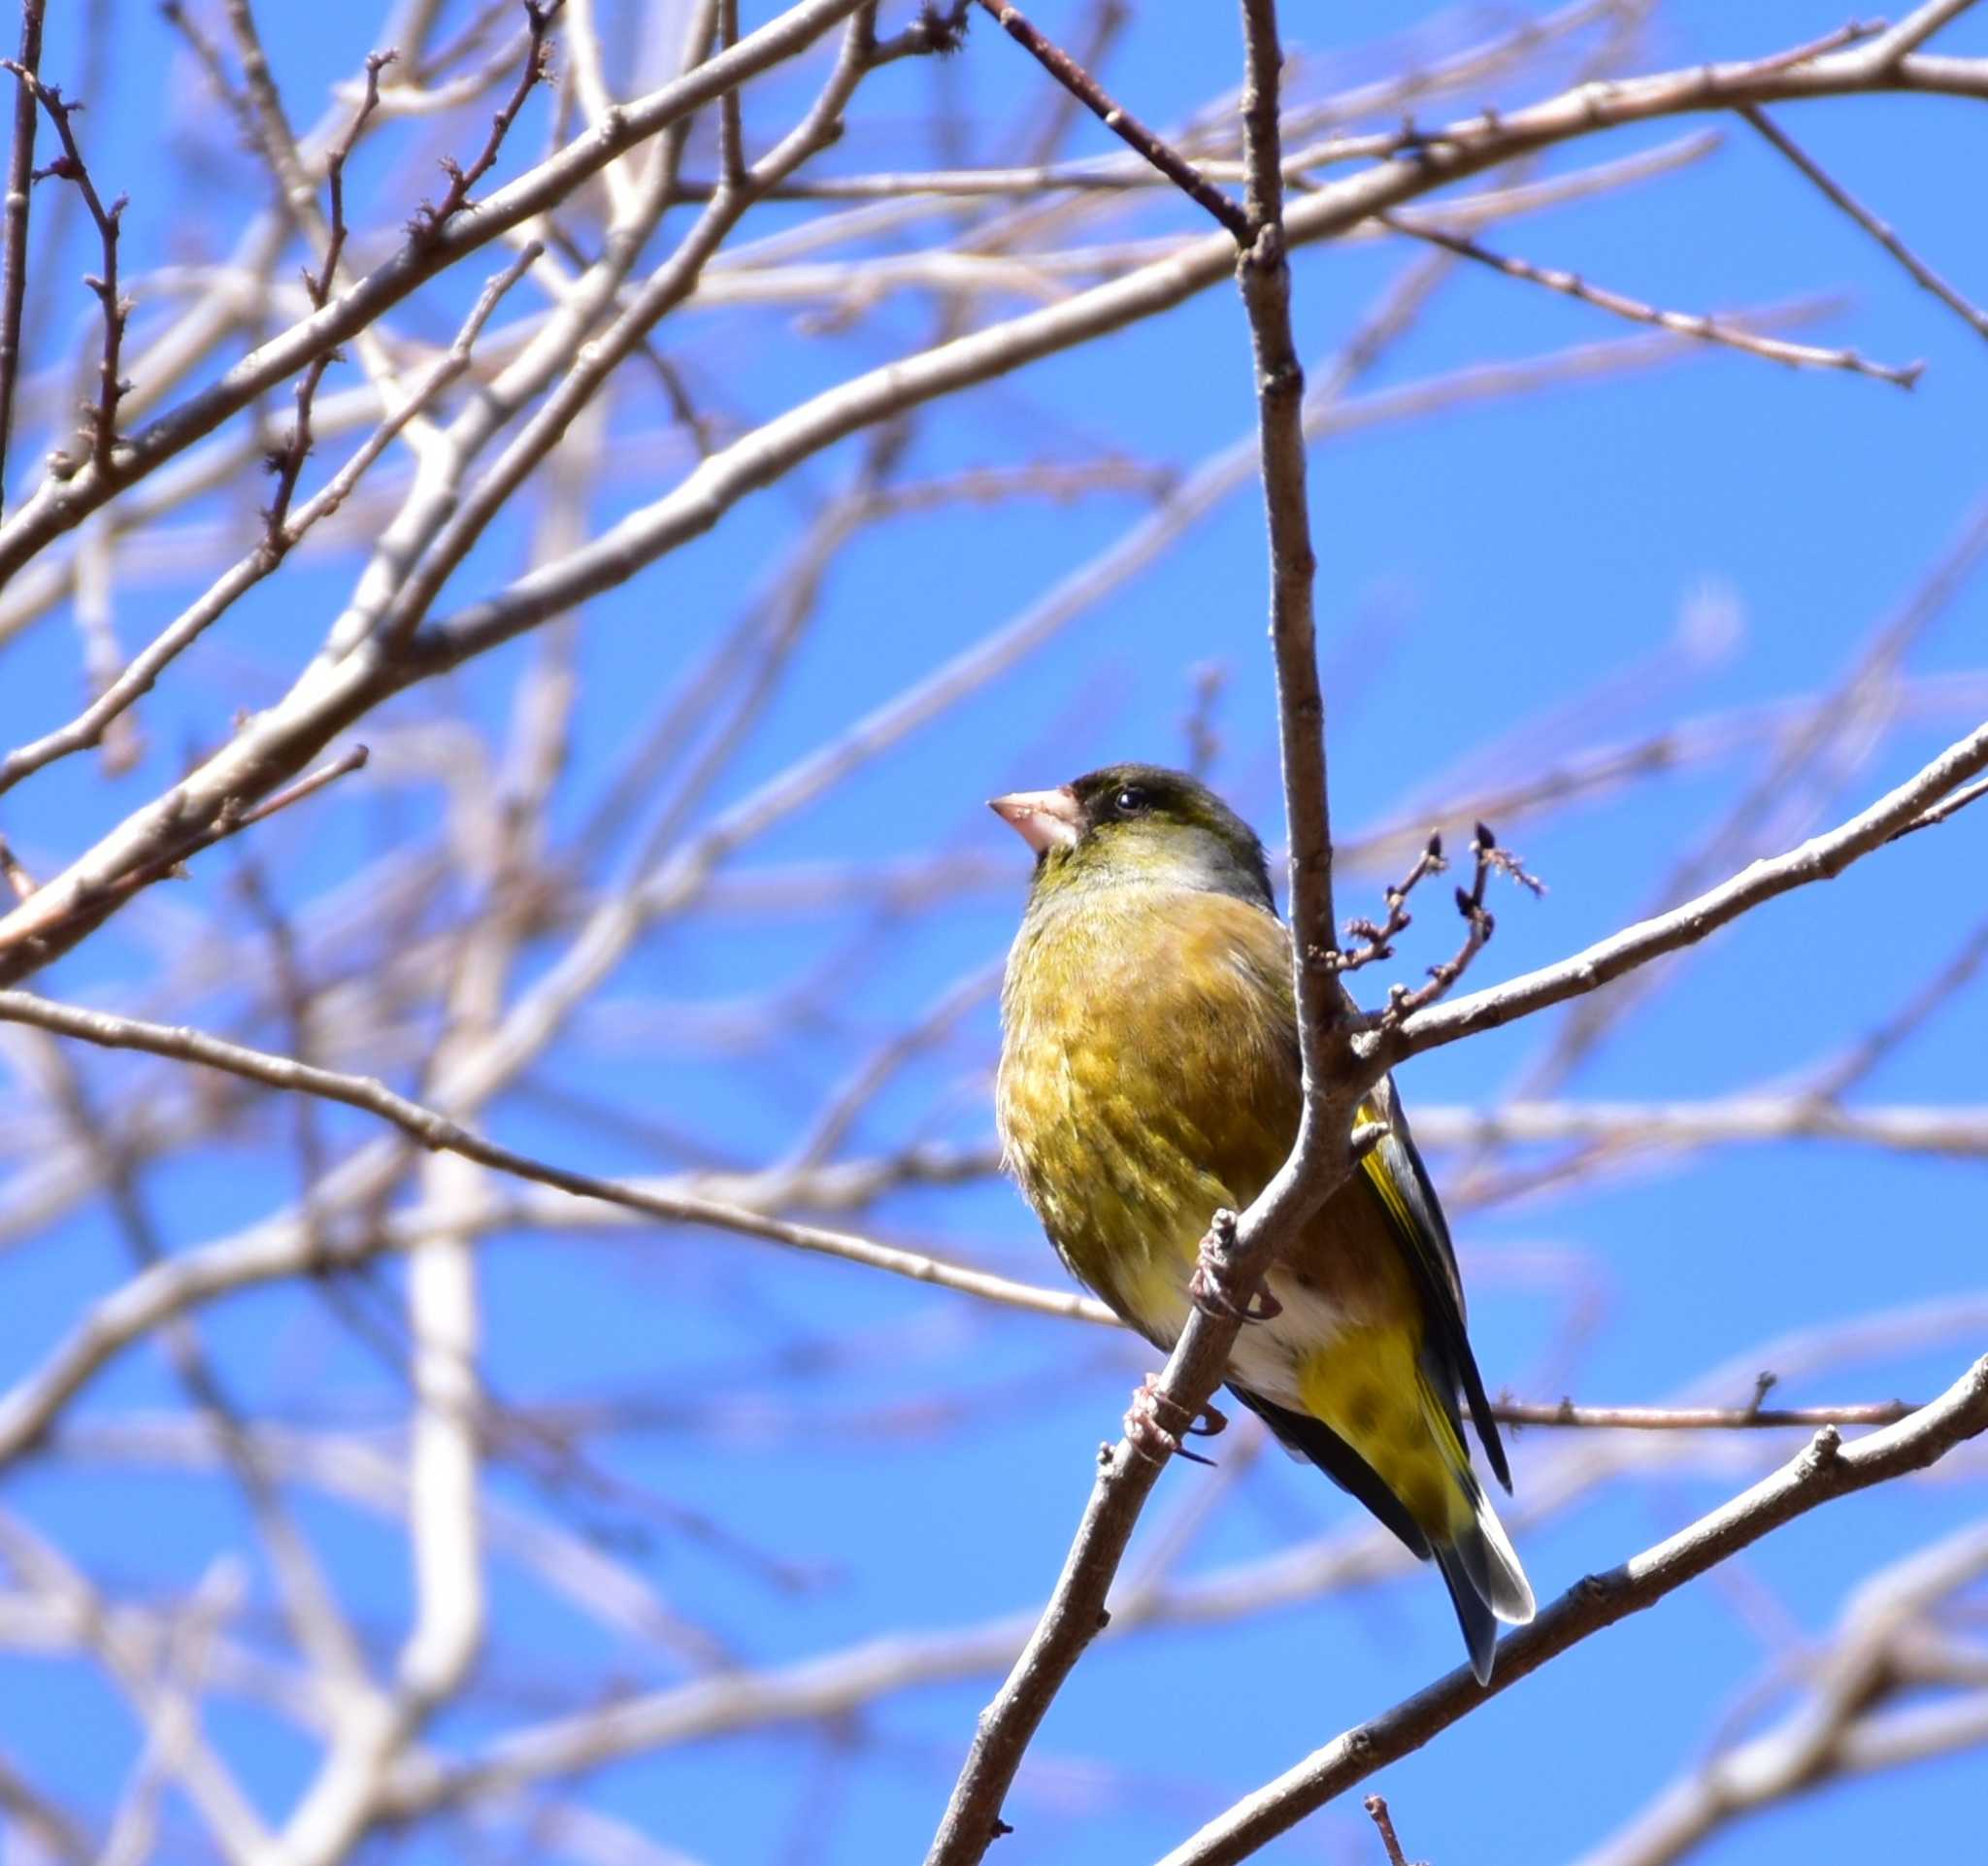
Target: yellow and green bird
x,y
1149,1074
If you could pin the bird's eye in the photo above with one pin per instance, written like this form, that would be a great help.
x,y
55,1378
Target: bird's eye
x,y
1133,801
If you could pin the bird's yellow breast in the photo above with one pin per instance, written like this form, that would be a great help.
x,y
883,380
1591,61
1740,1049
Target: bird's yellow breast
x,y
1142,1082
1149,1074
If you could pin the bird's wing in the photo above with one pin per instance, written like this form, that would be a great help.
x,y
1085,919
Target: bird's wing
x,y
1394,1171
1314,1442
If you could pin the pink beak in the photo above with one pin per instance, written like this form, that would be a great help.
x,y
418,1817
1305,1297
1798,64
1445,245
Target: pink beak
x,y
1042,819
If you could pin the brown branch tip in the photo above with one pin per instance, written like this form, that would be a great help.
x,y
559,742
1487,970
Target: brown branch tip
x,y
431,217
1369,940
99,417
1375,940
1376,1806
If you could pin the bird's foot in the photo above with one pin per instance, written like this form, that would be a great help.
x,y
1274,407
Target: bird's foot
x,y
1209,1285
1155,1424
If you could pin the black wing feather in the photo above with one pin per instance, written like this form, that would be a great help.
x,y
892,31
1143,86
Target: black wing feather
x,y
1431,1256
1315,1441
1320,1445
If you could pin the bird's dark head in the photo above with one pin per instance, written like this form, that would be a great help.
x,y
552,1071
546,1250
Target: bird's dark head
x,y
1136,823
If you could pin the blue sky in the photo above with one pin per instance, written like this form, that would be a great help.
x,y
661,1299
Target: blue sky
x,y
1500,589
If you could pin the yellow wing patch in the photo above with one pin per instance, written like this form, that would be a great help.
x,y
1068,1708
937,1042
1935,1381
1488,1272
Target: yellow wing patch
x,y
1382,1180
1368,1385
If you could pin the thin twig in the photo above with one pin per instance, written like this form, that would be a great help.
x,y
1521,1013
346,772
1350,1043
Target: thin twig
x,y
229,822
175,15
1118,174
1917,26
1120,122
1390,1843
100,420
1204,741
1477,922
137,678
431,217
934,29
1833,40
19,883
1879,230
1941,811
1698,1418
1709,329
1372,941
1803,1110
285,462
20,162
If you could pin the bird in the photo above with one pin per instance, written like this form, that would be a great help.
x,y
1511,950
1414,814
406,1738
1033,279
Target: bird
x,y
1149,1077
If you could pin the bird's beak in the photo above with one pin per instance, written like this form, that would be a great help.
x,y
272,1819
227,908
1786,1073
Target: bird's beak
x,y
1042,819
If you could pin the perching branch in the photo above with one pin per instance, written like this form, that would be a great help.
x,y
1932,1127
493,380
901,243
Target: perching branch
x,y
514,890
1236,1250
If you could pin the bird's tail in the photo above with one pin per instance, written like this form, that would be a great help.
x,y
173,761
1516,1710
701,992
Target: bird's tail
x,y
1479,1565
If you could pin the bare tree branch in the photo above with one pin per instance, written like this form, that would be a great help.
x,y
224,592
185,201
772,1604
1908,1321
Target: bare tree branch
x,y
1708,329
1847,1723
20,162
1236,1250
1828,1469
1460,149
1698,1418
568,905
1921,274
1819,859
1120,122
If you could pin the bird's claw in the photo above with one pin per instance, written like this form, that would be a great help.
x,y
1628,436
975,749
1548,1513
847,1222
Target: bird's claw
x,y
1210,1288
1212,1296
1209,1284
1156,1424
1213,1419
